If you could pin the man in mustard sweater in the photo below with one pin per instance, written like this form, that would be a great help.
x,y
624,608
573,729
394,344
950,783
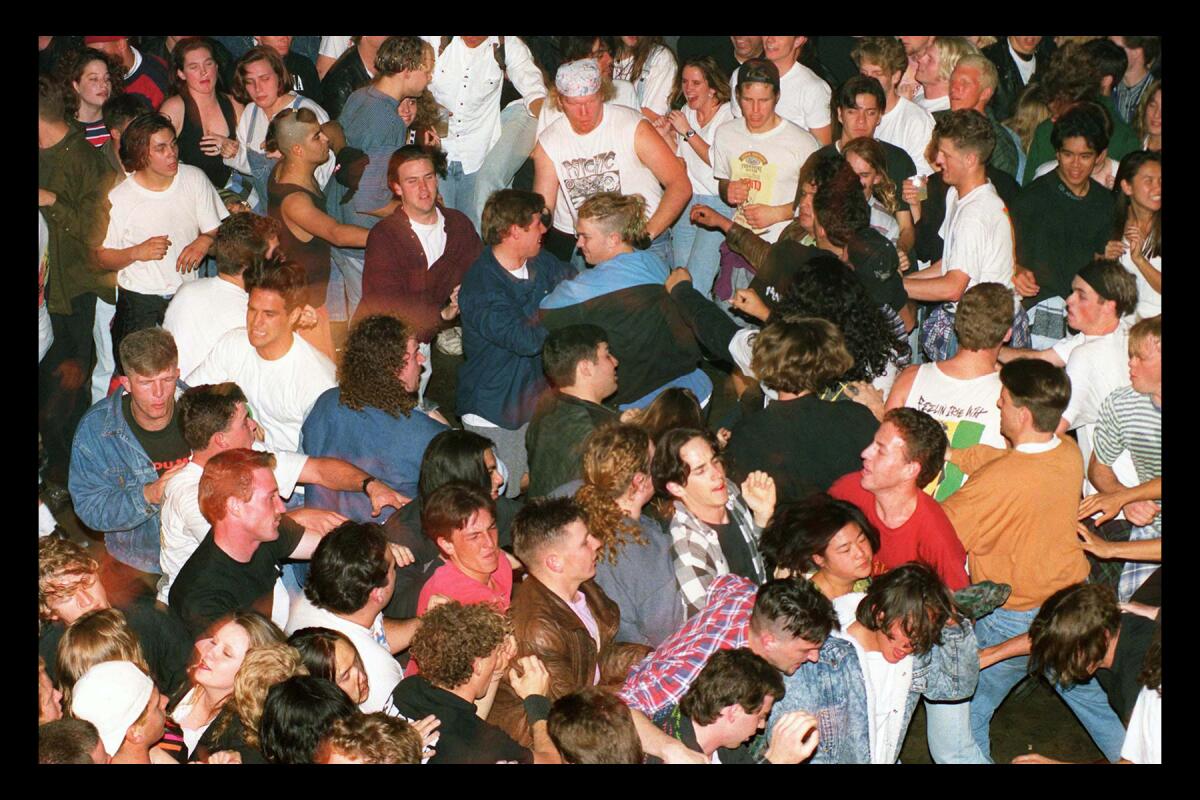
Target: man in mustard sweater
x,y
1016,518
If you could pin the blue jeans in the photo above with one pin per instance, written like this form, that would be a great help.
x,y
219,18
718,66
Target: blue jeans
x,y
345,283
697,248
661,247
1087,701
458,190
518,133
948,733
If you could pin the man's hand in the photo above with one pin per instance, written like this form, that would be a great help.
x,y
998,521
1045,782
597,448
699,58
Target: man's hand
x,y
382,495
308,319
317,520
867,395
451,309
723,436
911,194
794,738
153,249
630,416
70,375
1025,282
222,757
402,554
748,302
535,678
677,276
153,492
436,600
194,253
760,215
1100,548
904,262
709,218
1142,512
46,198
758,492
427,727
1107,503
738,191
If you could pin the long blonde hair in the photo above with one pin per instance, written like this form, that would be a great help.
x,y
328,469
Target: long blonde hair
x,y
96,637
612,456
263,667
1030,111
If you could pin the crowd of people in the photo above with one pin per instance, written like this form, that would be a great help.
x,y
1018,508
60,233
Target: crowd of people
x,y
795,381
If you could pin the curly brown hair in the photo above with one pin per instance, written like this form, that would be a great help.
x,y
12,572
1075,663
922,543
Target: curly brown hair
x,y
376,350
612,455
452,636
799,355
375,739
70,70
60,564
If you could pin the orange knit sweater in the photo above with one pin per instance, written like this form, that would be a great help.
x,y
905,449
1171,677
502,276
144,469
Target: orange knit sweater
x,y
1016,518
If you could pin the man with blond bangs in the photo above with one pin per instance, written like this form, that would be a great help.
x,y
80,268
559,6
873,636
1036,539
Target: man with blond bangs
x,y
935,64
903,122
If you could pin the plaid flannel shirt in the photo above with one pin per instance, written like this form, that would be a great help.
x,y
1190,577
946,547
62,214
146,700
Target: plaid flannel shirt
x,y
663,677
696,554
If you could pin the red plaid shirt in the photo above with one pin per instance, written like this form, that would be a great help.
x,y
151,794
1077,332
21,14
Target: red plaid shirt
x,y
663,677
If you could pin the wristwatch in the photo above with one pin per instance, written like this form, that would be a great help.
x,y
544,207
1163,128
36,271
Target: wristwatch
x,y
689,135
367,482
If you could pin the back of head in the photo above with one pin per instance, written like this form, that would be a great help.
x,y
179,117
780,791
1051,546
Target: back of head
x,y
613,456
112,695
348,563
262,667
840,206
593,726
1040,387
506,208
52,100
984,316
1071,76
454,455
230,474
119,110
800,355
375,353
67,741
1113,283
565,347
204,411
676,407
1109,58
731,677
242,240
1085,120
1069,636
452,636
820,167
801,529
297,714
924,438
913,596
400,54
94,638
968,130
541,524
623,214
374,739
148,352
794,606
286,278
289,128
450,507
61,564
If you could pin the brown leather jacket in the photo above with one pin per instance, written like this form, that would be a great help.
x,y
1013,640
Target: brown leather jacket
x,y
546,627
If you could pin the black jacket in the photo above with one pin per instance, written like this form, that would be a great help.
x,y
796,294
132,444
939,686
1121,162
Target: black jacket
x,y
1004,100
343,78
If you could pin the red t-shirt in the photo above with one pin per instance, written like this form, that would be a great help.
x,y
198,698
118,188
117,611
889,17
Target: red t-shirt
x,y
448,580
927,536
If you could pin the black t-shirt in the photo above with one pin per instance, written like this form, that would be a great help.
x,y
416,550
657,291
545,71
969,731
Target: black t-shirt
x,y
166,448
898,165
1121,680
877,267
737,553
305,80
164,641
465,738
775,277
211,584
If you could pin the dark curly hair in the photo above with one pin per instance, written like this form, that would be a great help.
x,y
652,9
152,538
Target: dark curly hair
x,y
825,287
70,69
376,350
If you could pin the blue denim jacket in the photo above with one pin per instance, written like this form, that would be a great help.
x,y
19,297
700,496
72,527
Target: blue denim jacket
x,y
109,469
834,692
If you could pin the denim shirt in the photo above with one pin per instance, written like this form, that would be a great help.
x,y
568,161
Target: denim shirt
x,y
109,470
833,691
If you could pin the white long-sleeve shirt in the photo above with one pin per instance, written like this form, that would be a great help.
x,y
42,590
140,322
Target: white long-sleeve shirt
x,y
467,82
654,85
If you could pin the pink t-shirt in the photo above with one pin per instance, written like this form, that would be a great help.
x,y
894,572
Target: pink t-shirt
x,y
580,607
927,536
451,582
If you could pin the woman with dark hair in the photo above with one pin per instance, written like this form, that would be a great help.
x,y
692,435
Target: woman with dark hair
x,y
88,72
828,541
649,65
673,408
1137,227
330,654
453,455
200,110
297,715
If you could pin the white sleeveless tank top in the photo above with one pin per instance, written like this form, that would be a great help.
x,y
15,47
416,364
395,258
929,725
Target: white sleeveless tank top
x,y
966,407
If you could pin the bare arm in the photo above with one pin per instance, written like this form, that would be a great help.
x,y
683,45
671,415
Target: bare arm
x,y
299,210
901,387
944,287
669,171
342,476
908,232
1010,648
1008,354
400,632
172,107
823,135
657,743
545,179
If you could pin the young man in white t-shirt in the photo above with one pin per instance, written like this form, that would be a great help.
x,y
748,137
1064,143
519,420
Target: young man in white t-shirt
x,y
757,157
803,95
281,374
977,232
163,221
904,123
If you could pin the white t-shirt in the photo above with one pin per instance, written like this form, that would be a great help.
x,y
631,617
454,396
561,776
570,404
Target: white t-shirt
x,y
699,173
1025,68
432,237
887,687
940,104
185,209
45,331
883,221
771,159
1149,300
803,97
1096,365
1143,737
910,127
383,671
653,87
334,46
978,236
184,526
200,313
281,392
